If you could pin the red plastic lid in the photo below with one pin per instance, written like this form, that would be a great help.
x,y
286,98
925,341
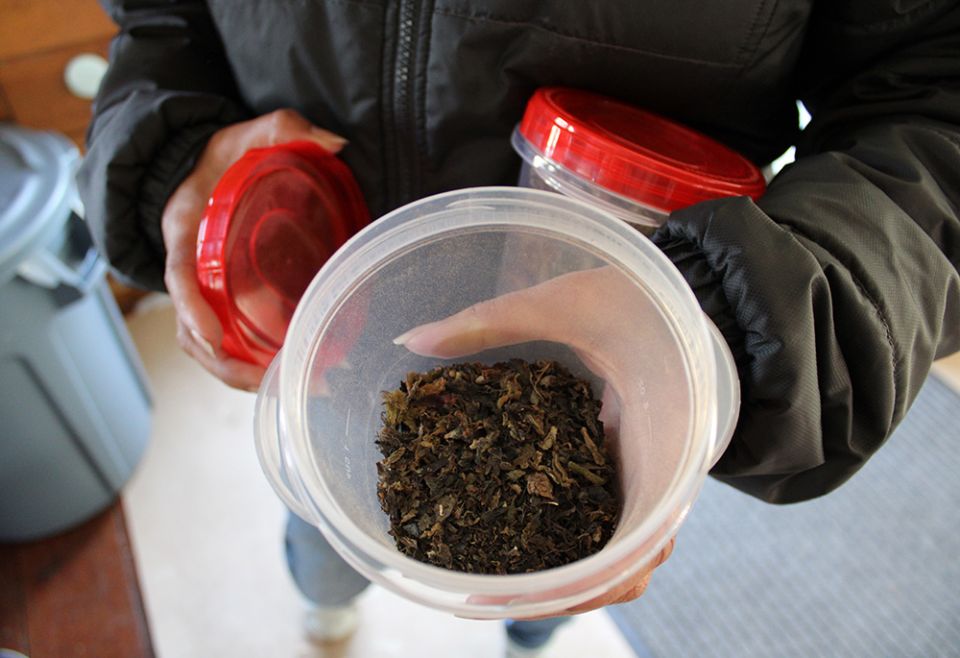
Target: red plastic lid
x,y
273,220
634,153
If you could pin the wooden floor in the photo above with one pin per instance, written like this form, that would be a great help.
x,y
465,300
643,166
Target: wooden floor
x,y
75,594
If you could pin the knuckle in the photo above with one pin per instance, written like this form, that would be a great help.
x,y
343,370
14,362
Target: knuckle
x,y
172,278
169,280
216,141
480,314
234,382
280,122
475,312
477,321
183,338
636,590
277,117
230,377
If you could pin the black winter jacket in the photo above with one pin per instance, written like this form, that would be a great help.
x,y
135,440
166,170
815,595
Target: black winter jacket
x,y
835,291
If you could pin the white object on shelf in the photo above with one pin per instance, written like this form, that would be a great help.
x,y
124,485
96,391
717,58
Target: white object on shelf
x,y
83,74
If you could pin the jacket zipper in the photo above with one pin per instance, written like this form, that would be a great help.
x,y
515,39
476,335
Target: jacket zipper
x,y
404,117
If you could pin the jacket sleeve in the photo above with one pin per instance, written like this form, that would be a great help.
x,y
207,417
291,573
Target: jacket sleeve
x,y
839,287
167,90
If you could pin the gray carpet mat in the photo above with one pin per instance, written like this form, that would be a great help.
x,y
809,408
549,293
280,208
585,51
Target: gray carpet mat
x,y
870,570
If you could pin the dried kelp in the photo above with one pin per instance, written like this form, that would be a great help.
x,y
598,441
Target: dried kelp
x,y
496,469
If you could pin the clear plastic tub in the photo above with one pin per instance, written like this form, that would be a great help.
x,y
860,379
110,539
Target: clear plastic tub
x,y
634,164
318,410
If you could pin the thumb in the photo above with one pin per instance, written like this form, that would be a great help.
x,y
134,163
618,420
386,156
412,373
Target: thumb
x,y
328,140
287,125
540,312
506,320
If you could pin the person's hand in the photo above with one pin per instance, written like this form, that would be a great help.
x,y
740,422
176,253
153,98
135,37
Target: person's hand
x,y
630,589
612,325
198,329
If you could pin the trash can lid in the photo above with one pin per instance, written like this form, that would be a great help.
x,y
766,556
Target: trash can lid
x,y
36,191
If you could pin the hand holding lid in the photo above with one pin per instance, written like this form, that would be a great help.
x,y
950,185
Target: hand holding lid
x,y
198,328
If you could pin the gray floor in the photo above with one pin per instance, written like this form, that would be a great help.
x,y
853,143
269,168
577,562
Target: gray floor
x,y
870,570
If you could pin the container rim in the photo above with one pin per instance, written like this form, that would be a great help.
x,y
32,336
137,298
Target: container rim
x,y
573,184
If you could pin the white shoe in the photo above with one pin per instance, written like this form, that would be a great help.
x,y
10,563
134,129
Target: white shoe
x,y
515,650
324,624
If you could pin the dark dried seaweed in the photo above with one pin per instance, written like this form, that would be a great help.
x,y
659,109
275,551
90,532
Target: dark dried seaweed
x,y
496,469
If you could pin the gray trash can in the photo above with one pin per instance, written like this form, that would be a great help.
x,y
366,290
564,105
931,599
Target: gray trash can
x,y
75,411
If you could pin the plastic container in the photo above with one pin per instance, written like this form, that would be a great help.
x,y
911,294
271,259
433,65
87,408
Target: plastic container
x,y
274,218
632,163
317,420
74,404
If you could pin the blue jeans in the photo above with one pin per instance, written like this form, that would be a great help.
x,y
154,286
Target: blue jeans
x,y
324,578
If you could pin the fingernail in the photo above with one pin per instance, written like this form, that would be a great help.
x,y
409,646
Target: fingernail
x,y
404,337
204,343
329,138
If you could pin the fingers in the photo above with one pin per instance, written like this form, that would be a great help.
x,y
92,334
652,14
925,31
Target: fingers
x,y
192,308
632,588
506,320
233,372
198,328
180,224
628,590
599,313
288,125
665,553
466,332
200,333
575,308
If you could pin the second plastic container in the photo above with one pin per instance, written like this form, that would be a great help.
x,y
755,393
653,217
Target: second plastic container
x,y
632,163
625,309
